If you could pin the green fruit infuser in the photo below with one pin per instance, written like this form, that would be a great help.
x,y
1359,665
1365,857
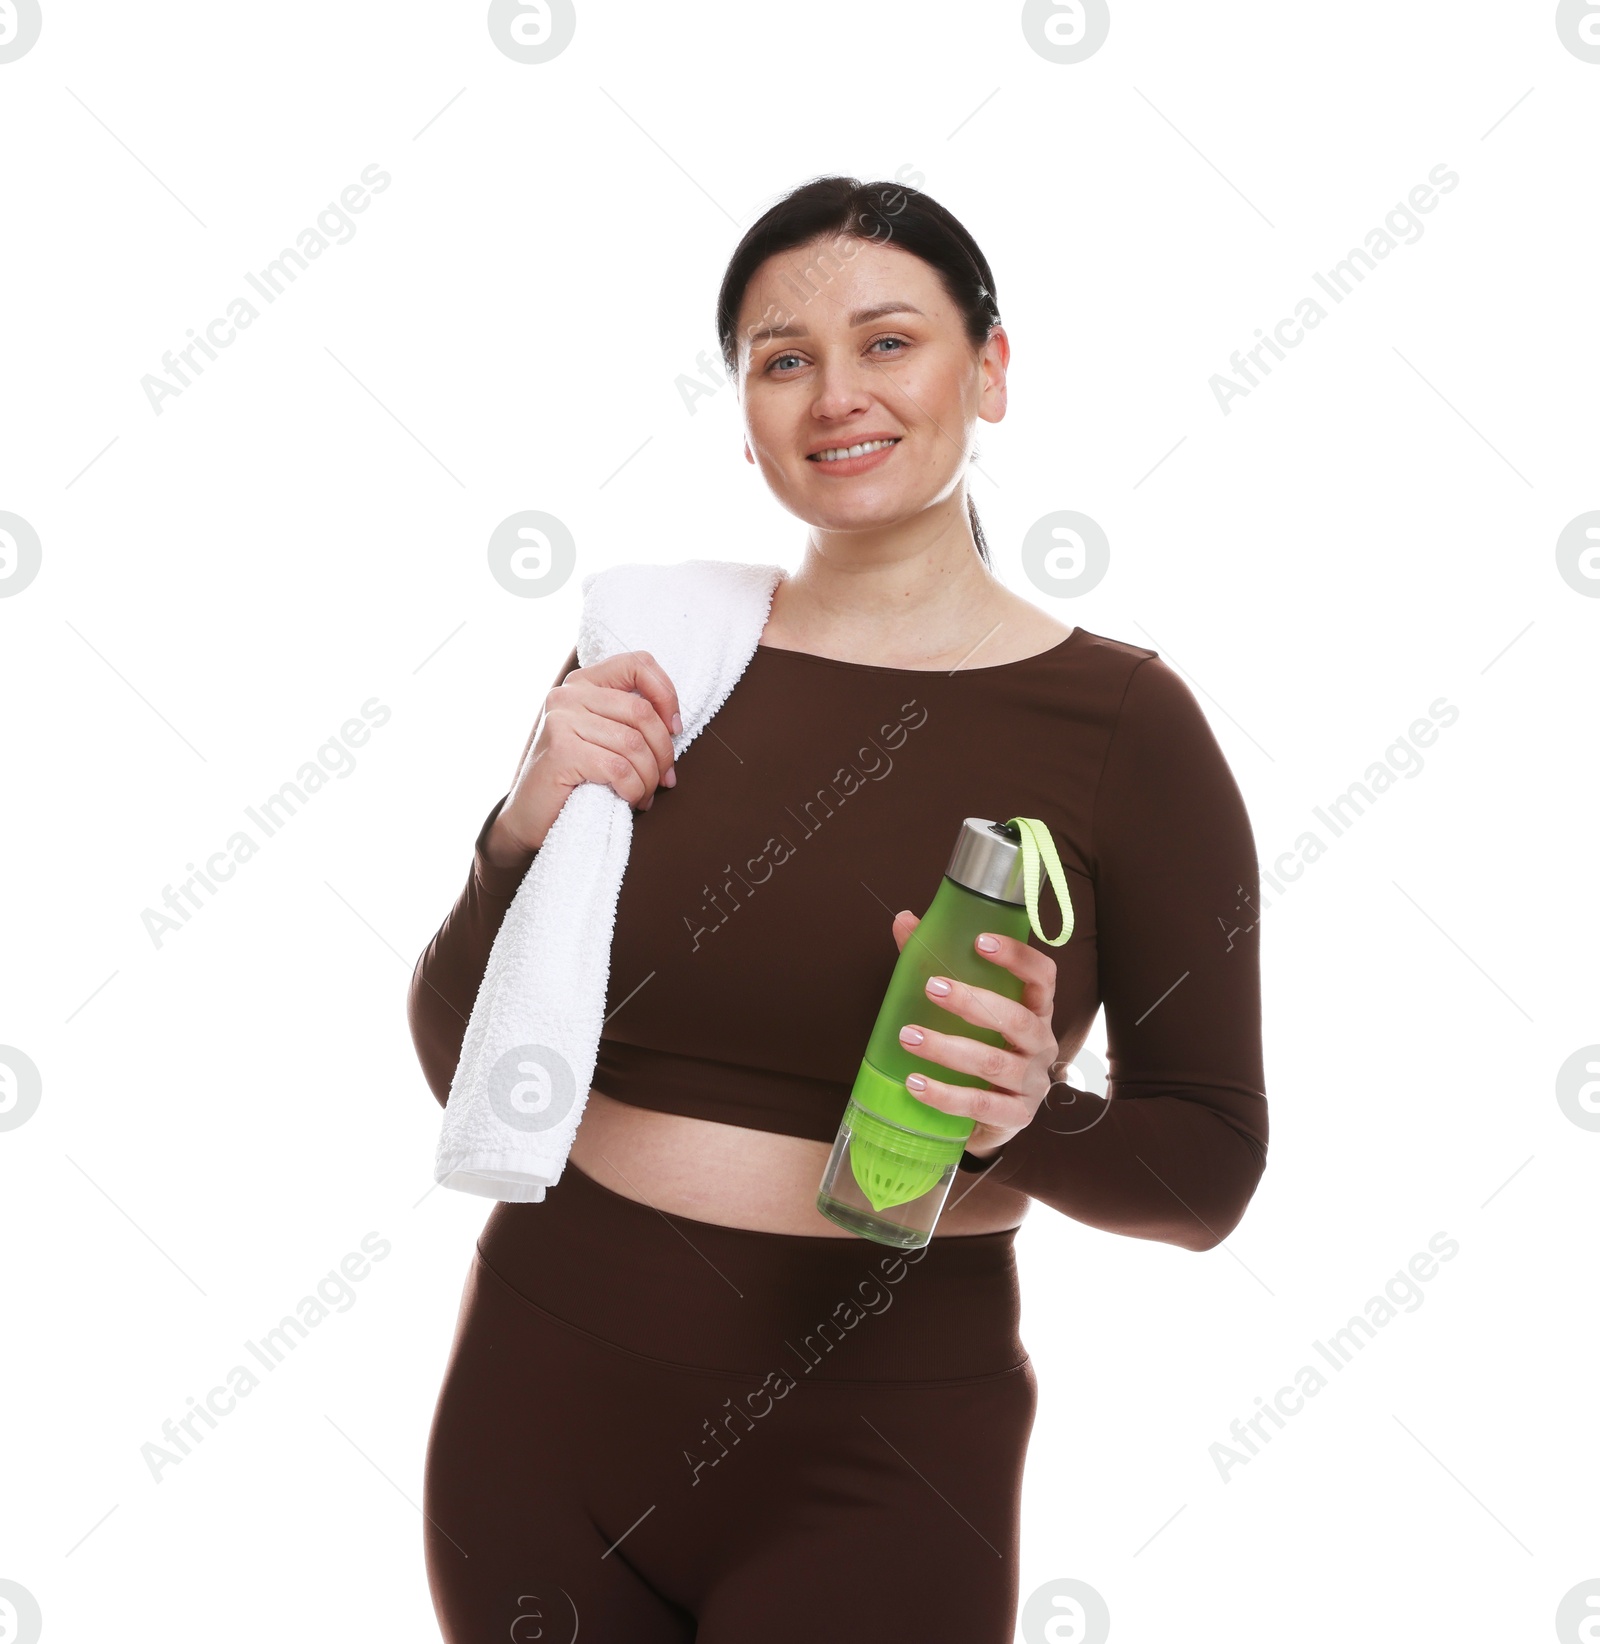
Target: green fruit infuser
x,y
894,1152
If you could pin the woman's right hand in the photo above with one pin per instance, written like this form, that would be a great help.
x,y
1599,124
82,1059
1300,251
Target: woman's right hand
x,y
612,723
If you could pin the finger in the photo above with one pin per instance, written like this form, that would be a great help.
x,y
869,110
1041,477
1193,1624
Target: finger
x,y
1002,1066
639,671
1036,971
634,727
626,765
1025,1028
991,1107
904,923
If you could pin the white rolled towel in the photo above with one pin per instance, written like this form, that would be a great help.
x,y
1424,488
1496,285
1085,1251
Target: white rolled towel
x,y
522,1081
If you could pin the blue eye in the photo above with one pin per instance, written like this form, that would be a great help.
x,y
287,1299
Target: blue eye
x,y
901,345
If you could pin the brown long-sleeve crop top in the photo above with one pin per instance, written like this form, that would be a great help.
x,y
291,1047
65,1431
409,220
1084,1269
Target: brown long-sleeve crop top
x,y
752,944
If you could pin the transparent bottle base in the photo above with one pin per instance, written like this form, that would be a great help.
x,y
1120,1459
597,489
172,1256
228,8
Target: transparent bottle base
x,y
906,1225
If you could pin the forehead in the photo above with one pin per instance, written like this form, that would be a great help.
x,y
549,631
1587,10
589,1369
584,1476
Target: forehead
x,y
828,284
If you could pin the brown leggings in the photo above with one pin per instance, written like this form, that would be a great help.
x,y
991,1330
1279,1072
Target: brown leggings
x,y
657,1430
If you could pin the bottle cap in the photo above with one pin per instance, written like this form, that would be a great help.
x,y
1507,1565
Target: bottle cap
x,y
988,859
1002,860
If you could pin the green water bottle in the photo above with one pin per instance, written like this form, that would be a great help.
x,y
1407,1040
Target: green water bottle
x,y
895,1156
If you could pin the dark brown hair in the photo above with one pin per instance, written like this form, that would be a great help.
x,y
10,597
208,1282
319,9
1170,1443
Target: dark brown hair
x,y
896,213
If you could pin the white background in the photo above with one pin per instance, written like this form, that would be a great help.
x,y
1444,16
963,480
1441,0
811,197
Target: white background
x,y
304,528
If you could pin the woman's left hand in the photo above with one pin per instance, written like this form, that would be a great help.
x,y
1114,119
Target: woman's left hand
x,y
1018,1072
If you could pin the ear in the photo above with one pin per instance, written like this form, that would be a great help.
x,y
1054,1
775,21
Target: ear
x,y
994,359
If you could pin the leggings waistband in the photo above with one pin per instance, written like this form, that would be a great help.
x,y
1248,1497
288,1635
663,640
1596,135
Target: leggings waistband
x,y
741,1301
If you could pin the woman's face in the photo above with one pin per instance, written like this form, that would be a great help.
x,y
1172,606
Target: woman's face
x,y
845,341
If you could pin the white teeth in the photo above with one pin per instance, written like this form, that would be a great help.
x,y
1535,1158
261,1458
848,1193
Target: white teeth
x,y
838,453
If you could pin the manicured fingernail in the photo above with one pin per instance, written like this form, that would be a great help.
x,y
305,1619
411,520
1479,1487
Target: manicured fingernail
x,y
670,780
911,1035
915,1081
987,944
677,724
938,985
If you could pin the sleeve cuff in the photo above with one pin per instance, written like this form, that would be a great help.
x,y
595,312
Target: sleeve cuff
x,y
496,882
1015,1155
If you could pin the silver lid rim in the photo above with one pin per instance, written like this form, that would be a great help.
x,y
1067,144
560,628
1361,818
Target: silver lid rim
x,y
988,859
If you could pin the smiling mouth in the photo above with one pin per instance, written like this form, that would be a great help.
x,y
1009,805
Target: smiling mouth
x,y
842,453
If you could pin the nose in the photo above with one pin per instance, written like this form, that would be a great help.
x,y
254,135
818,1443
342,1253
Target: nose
x,y
843,388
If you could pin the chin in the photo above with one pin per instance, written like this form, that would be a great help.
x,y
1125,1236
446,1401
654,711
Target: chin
x,y
860,512
861,519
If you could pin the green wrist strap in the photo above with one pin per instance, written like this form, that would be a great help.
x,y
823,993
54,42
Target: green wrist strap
x,y
1037,844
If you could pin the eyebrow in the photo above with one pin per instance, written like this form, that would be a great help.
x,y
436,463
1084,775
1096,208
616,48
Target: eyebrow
x,y
862,316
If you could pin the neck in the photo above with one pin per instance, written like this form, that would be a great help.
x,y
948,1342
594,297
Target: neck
x,y
917,587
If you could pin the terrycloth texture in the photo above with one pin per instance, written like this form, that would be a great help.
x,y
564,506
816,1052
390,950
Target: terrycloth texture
x,y
522,1082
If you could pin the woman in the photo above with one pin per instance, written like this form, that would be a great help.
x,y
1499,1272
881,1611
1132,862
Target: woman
x,y
681,1403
